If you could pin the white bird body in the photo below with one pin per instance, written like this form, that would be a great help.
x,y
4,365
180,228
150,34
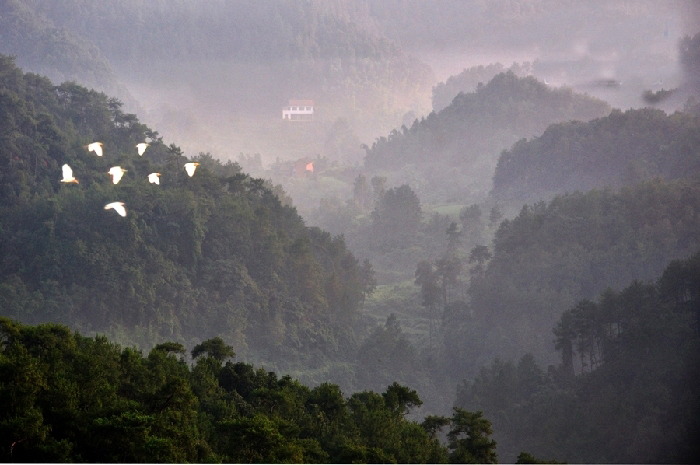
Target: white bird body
x,y
153,178
117,172
117,207
68,174
141,147
95,147
190,167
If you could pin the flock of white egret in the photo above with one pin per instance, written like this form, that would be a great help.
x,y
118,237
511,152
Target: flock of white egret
x,y
117,172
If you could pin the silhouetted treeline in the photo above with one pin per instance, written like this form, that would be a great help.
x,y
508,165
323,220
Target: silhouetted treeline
x,y
626,388
616,150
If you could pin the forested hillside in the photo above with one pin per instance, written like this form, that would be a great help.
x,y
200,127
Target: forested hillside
x,y
53,51
281,30
213,76
451,154
70,398
215,254
554,254
247,59
468,80
626,390
616,150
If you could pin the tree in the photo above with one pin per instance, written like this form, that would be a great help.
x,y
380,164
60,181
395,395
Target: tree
x,y
495,215
367,279
453,239
469,438
432,424
472,224
479,255
396,219
427,279
362,193
400,399
214,348
448,269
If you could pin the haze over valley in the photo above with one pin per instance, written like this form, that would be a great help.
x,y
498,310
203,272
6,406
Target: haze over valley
x,y
350,231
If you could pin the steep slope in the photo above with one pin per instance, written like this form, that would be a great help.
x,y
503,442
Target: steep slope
x,y
195,257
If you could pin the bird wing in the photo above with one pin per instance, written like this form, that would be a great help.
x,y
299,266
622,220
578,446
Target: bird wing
x,y
117,207
67,172
117,172
96,147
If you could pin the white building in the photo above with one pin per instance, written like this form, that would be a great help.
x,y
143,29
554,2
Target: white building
x,y
299,110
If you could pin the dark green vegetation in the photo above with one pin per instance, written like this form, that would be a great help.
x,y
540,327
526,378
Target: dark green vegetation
x,y
65,397
554,254
217,254
453,152
619,149
626,390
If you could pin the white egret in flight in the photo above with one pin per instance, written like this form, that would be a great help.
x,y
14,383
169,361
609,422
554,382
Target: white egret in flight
x,y
68,174
153,178
141,147
117,207
190,167
95,147
117,172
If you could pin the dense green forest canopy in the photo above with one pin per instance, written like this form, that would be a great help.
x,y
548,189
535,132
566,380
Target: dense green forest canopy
x,y
216,254
553,254
451,154
622,148
65,397
627,382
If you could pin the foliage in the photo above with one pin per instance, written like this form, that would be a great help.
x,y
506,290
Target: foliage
x,y
66,397
43,47
624,391
469,438
461,142
396,219
216,254
554,254
617,150
468,80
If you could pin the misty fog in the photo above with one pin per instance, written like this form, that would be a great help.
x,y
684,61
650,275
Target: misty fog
x,y
492,202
